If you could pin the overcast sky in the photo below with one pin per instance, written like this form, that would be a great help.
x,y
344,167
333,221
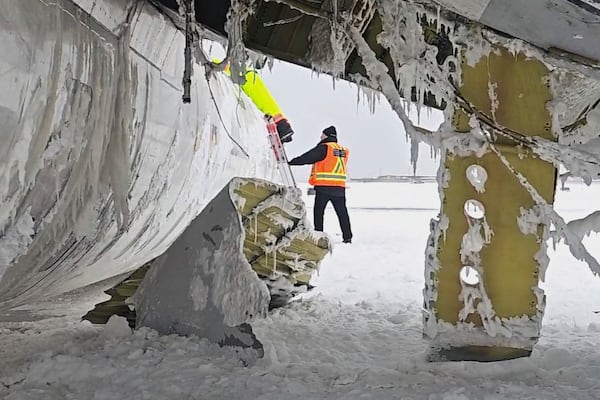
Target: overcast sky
x,y
377,142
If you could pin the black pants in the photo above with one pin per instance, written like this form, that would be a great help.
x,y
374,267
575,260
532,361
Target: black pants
x,y
339,205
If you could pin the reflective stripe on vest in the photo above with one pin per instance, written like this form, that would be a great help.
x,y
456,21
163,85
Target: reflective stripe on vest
x,y
331,171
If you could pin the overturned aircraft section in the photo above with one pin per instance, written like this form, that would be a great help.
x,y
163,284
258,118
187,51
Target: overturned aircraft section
x,y
107,173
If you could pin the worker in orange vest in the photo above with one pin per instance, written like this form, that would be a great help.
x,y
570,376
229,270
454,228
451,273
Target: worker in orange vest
x,y
328,176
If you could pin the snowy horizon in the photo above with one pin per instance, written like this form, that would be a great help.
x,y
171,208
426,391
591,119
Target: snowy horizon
x,y
357,334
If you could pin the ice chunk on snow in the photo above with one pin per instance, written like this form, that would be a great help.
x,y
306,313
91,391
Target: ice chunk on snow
x,y
116,327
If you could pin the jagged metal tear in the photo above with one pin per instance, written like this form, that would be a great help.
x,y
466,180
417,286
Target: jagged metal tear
x,y
203,285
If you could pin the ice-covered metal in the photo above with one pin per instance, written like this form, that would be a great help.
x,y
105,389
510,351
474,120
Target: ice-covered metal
x,y
101,165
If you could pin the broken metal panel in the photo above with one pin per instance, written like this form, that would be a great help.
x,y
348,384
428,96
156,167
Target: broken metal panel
x,y
279,242
252,224
203,285
120,302
512,90
499,314
210,283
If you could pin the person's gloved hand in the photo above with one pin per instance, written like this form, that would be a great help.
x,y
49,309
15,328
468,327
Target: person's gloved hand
x,y
284,129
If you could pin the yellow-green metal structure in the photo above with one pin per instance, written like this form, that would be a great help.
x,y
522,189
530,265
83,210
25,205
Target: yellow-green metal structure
x,y
513,92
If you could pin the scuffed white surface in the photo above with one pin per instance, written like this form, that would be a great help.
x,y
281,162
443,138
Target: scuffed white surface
x,y
15,241
203,284
358,334
198,293
108,180
238,292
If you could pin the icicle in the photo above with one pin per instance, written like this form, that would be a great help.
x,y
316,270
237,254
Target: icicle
x,y
414,154
255,228
266,256
487,231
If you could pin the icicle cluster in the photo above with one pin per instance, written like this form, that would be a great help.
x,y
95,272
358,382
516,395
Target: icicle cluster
x,y
406,28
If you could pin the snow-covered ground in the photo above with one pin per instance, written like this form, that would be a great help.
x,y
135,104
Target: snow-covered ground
x,y
357,335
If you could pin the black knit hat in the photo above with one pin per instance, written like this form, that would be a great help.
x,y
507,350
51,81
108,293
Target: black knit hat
x,y
330,132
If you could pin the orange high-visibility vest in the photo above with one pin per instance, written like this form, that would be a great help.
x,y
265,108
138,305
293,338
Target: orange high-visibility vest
x,y
330,171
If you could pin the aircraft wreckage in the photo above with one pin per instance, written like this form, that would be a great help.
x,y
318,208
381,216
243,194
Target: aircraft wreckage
x,y
128,154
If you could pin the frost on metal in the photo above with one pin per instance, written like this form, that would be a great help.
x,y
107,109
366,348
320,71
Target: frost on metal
x,y
331,44
478,234
438,228
406,25
535,222
562,230
583,227
410,34
432,265
223,271
414,60
516,332
106,167
574,109
203,285
279,242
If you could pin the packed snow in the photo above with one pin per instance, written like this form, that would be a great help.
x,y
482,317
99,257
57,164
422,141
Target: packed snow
x,y
358,334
